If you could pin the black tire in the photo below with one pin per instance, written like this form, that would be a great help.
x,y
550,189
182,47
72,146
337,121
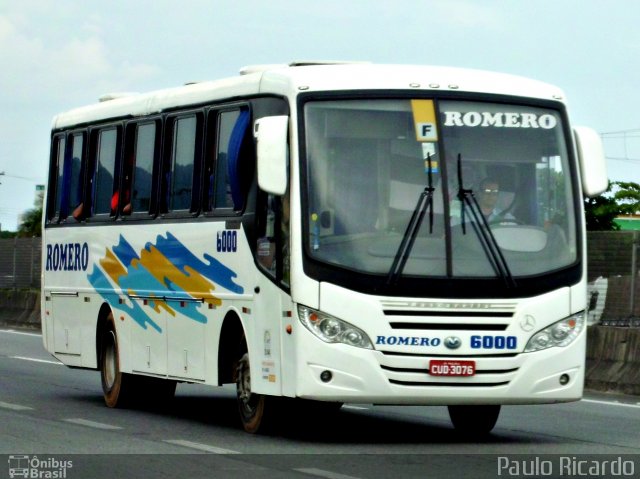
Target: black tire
x,y
117,387
474,420
258,412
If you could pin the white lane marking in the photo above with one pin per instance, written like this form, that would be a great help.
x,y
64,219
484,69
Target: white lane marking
x,y
359,408
35,360
612,403
200,447
15,407
23,333
323,473
96,425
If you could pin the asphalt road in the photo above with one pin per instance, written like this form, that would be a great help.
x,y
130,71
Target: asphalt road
x,y
54,419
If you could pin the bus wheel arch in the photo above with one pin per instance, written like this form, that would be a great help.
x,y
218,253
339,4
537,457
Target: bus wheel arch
x,y
257,412
105,311
231,338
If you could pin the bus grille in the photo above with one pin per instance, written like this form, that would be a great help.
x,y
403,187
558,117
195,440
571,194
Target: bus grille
x,y
413,370
434,317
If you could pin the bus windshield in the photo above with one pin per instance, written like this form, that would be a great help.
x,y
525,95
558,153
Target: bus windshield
x,y
500,201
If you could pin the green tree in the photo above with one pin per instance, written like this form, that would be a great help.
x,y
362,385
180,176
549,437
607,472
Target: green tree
x,y
31,220
600,211
628,197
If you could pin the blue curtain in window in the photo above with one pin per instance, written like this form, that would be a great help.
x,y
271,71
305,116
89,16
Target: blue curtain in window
x,y
233,161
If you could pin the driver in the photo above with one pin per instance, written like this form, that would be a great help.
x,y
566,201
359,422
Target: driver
x,y
488,198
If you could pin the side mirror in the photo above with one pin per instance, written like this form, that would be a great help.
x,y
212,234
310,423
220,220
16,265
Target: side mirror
x,y
272,133
593,168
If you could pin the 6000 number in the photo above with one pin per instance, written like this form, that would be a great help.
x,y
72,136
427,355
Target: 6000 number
x,y
494,342
227,242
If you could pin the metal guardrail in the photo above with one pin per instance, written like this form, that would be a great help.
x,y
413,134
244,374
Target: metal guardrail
x,y
614,285
20,263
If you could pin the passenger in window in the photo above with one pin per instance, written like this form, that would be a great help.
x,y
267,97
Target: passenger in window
x,y
115,199
77,212
126,193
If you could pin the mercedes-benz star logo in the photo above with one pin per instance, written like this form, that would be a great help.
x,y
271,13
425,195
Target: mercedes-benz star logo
x,y
452,342
528,323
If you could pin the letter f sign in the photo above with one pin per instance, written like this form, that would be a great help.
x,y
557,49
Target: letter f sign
x,y
426,132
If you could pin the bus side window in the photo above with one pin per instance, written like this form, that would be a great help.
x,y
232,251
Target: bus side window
x,y
146,152
266,247
230,170
105,192
273,248
208,172
68,182
56,174
76,187
137,175
180,188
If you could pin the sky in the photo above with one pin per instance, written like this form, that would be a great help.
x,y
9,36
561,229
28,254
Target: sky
x,y
59,55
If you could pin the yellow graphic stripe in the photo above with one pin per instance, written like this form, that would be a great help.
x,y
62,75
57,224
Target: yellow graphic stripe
x,y
192,282
112,266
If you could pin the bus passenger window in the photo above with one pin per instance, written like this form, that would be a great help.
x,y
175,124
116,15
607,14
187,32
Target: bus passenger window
x,y
232,131
105,194
179,180
76,187
56,178
141,183
69,186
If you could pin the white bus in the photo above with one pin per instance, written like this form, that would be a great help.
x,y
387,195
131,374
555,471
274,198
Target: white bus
x,y
322,234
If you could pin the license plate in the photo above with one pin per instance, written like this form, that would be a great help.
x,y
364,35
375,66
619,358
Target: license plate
x,y
446,367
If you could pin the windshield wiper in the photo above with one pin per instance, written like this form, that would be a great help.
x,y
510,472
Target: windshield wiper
x,y
482,229
425,202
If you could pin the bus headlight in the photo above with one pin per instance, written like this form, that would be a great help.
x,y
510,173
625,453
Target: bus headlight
x,y
333,330
560,334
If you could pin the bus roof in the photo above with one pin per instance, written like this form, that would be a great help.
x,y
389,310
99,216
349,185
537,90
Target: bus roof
x,y
289,80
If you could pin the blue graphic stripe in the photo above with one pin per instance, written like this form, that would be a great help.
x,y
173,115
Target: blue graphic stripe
x,y
181,257
103,287
125,252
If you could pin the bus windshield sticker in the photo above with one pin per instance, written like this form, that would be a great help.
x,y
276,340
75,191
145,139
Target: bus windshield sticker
x,y
511,119
424,119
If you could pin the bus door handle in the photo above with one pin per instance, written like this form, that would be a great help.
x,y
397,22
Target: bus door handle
x,y
165,299
185,300
71,294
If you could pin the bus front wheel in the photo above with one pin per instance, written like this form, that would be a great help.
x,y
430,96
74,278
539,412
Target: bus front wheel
x,y
474,420
257,411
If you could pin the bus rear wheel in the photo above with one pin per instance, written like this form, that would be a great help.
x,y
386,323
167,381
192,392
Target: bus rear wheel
x,y
474,420
117,386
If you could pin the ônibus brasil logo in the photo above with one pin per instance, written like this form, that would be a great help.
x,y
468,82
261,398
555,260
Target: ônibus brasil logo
x,y
34,467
